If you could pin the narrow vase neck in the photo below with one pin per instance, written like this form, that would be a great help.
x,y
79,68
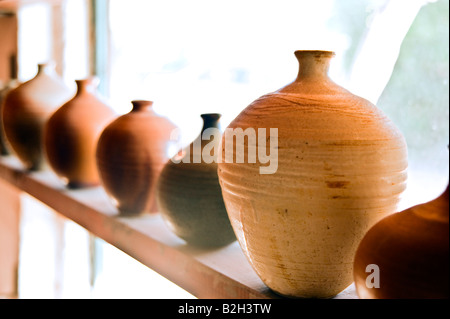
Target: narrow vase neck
x,y
88,85
46,68
313,65
141,105
210,120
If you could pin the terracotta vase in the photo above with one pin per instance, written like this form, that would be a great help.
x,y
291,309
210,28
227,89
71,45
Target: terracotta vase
x,y
26,110
11,84
189,194
406,255
328,165
71,135
131,153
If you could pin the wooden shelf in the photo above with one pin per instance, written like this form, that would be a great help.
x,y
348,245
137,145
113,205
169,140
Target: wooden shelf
x,y
217,273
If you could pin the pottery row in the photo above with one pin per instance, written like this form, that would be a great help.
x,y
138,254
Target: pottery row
x,y
305,178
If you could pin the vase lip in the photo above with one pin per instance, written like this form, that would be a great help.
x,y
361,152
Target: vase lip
x,y
324,53
90,80
214,116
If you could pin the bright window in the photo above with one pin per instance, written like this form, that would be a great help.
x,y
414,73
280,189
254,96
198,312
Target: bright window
x,y
197,56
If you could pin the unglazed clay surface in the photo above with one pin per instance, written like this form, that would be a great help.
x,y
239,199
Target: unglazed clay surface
x,y
27,109
71,135
341,167
411,252
131,153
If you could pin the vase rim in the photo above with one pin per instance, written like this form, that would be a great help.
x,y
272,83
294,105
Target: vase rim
x,y
315,52
211,115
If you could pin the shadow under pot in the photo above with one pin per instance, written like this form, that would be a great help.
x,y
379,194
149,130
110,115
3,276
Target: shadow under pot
x,y
131,153
71,135
189,194
27,108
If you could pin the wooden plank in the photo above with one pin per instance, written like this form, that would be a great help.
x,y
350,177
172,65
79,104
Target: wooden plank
x,y
205,273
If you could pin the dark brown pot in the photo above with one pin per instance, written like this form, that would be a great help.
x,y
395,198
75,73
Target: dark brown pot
x,y
189,194
71,135
26,110
131,153
410,251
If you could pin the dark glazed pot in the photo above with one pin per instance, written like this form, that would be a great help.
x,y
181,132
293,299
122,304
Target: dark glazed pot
x,y
189,195
26,110
71,135
337,165
131,153
411,252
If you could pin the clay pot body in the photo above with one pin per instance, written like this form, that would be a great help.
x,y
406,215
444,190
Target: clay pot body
x,y
71,135
339,167
131,153
189,194
26,110
411,252
4,148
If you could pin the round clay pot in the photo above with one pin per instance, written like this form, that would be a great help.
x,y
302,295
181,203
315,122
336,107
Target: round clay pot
x,y
189,195
4,147
410,251
336,165
71,135
131,153
26,110
11,84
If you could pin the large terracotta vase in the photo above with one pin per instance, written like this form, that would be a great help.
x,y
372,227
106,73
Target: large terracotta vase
x,y
26,110
189,194
325,166
406,255
131,153
71,135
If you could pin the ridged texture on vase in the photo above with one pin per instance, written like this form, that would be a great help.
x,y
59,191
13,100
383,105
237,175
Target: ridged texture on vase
x,y
411,251
26,110
72,132
341,168
189,194
131,152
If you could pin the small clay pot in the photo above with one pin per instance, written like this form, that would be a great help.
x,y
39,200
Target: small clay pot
x,y
71,135
189,195
26,110
131,152
406,255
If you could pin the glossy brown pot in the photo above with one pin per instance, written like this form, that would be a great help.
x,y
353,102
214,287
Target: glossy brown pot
x,y
409,252
131,153
188,192
337,165
71,135
26,110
